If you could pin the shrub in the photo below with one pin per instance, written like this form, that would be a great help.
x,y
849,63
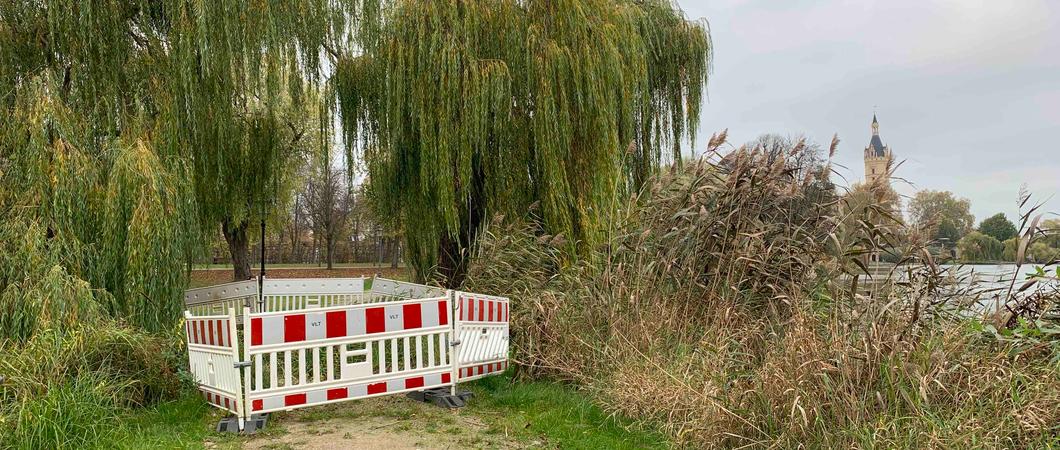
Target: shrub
x,y
1042,253
62,389
76,413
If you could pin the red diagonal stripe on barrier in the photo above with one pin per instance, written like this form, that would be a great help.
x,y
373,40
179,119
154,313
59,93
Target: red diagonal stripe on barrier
x,y
209,324
202,331
376,388
490,318
336,324
470,310
255,331
375,320
294,328
481,310
443,313
411,314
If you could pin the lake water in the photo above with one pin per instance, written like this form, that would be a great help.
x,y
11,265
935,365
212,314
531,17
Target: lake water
x,y
988,282
974,273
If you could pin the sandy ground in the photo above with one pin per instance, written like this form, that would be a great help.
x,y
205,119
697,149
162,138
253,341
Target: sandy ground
x,y
386,423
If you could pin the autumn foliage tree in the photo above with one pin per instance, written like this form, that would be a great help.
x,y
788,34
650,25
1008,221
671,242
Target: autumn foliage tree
x,y
941,216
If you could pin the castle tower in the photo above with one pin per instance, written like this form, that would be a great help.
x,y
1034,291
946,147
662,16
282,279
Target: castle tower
x,y
877,156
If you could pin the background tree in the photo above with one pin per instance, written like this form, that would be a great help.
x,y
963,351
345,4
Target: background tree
x,y
870,212
463,110
998,227
806,163
1051,229
941,216
979,247
328,202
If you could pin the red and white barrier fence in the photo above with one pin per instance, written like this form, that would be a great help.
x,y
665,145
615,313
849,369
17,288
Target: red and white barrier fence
x,y
212,357
313,342
482,327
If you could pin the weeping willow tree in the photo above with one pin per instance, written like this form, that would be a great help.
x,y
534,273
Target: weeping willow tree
x,y
128,128
465,109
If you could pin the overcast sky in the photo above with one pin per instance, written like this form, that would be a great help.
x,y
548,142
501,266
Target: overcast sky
x,y
967,91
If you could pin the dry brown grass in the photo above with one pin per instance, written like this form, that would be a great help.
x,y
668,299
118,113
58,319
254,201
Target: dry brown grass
x,y
710,314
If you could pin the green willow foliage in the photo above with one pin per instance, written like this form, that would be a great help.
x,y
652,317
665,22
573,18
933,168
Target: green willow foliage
x,y
464,109
127,126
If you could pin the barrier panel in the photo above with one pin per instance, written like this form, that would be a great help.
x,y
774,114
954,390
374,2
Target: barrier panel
x,y
308,342
212,358
288,294
220,298
483,332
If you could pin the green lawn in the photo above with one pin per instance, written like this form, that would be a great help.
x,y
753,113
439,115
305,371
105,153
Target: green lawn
x,y
532,415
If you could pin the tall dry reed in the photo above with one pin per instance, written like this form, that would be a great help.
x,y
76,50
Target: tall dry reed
x,y
716,312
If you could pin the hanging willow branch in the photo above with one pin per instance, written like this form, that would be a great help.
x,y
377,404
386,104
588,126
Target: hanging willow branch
x,y
127,126
464,109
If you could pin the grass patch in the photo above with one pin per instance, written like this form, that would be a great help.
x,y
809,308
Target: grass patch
x,y
535,415
545,414
187,422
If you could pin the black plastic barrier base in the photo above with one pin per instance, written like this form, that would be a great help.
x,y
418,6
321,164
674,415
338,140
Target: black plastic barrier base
x,y
254,424
442,397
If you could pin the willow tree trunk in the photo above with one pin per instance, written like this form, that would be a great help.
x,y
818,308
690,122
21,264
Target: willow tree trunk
x,y
236,236
453,252
395,253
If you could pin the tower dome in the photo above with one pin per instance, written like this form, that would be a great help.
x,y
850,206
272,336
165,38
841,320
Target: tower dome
x,y
877,155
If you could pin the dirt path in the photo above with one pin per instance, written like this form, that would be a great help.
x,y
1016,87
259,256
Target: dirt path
x,y
386,423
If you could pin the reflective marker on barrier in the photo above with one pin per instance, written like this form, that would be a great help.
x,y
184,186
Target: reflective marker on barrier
x,y
255,331
294,400
336,324
294,328
443,313
411,315
376,320
337,394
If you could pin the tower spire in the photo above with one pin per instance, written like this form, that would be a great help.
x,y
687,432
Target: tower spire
x,y
875,126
